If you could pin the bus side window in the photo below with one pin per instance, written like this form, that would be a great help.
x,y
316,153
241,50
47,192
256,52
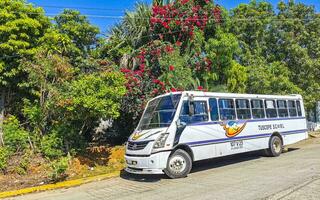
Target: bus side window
x,y
292,108
299,108
282,108
257,109
271,109
243,109
213,104
226,108
200,112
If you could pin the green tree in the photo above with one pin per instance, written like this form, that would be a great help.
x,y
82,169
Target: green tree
x,y
79,29
222,51
76,28
21,27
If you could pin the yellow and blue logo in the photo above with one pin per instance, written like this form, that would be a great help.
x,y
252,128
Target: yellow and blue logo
x,y
233,128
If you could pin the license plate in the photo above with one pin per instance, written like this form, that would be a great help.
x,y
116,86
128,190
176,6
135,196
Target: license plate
x,y
236,144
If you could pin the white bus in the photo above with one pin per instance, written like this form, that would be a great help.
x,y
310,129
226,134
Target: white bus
x,y
179,128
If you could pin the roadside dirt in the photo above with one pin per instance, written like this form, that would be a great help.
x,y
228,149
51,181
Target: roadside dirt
x,y
37,170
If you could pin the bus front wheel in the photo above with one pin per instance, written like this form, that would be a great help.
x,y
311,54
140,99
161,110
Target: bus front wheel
x,y
179,164
275,146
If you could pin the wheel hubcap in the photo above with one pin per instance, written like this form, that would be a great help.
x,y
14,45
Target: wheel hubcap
x,y
277,146
177,164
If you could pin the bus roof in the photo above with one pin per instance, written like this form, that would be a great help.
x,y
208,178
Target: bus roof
x,y
235,95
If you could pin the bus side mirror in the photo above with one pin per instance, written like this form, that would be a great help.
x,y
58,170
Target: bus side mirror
x,y
180,124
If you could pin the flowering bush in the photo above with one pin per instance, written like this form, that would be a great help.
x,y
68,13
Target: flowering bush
x,y
174,58
177,21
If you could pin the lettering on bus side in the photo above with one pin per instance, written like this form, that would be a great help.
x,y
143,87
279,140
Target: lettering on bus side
x,y
270,127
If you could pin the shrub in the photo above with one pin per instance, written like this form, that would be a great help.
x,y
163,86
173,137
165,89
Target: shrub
x,y
59,168
51,145
15,137
4,156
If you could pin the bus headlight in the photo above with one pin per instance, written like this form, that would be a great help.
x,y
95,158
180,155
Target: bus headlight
x,y
160,141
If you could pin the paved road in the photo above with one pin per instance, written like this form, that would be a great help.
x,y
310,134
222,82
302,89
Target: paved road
x,y
293,175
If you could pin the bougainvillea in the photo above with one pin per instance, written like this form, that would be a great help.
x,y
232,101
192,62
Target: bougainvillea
x,y
180,18
143,79
163,65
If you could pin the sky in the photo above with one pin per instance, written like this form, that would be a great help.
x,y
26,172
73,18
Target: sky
x,y
106,13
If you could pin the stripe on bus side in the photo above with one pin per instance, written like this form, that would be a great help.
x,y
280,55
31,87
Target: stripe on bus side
x,y
222,140
247,120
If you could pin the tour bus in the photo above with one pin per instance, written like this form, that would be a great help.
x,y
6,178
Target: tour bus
x,y
179,128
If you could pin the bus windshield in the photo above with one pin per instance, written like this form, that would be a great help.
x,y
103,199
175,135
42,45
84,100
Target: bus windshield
x,y
160,112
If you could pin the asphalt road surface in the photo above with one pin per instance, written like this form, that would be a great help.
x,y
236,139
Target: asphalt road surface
x,y
293,175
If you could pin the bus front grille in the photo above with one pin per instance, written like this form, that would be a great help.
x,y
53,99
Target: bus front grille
x,y
137,145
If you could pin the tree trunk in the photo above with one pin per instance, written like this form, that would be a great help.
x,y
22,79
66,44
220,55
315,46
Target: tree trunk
x,y
2,96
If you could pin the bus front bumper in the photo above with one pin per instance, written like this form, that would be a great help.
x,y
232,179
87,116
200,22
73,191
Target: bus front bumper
x,y
150,164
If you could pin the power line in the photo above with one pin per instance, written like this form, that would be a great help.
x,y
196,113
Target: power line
x,y
81,8
168,18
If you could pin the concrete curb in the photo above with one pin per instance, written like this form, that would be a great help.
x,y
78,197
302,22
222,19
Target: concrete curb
x,y
64,184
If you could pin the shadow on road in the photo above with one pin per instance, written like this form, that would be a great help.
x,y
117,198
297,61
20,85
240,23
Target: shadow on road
x,y
226,160
203,165
142,177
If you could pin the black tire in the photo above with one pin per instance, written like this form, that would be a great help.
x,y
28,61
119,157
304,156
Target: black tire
x,y
179,158
275,146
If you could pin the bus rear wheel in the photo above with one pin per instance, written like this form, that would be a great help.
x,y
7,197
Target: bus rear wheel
x,y
179,164
275,146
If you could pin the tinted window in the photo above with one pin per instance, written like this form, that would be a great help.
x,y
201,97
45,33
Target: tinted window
x,y
257,109
213,104
243,109
299,108
292,108
226,108
271,109
282,108
200,112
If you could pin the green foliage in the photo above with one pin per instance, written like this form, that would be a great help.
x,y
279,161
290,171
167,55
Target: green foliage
x,y
225,71
21,26
15,137
134,28
237,78
95,95
4,156
78,28
176,73
59,168
280,49
51,146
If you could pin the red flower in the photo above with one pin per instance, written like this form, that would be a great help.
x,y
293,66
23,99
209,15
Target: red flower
x,y
165,25
125,70
155,91
142,66
171,68
200,88
169,49
173,90
184,1
153,20
207,1
156,81
161,83
178,43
